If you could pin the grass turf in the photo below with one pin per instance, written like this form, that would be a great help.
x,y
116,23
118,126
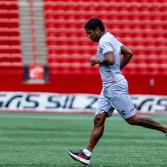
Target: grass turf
x,y
42,140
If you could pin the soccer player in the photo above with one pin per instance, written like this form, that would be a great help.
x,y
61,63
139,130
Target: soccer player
x,y
112,57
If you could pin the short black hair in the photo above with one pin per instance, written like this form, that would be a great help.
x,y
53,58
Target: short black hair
x,y
93,23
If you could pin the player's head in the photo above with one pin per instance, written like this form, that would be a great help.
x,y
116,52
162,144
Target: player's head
x,y
94,29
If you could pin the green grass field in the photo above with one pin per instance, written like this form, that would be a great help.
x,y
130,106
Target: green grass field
x,y
42,140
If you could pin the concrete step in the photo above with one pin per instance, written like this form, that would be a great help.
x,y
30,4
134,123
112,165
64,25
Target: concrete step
x,y
26,31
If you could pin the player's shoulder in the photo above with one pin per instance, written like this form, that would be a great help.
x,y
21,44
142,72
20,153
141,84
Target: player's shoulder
x,y
110,38
107,37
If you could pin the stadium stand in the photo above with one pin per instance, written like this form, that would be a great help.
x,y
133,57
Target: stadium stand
x,y
10,51
11,68
139,25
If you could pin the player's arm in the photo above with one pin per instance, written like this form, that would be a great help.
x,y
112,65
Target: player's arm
x,y
109,59
126,56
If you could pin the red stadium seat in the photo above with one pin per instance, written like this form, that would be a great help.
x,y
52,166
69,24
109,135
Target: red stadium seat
x,y
138,24
10,52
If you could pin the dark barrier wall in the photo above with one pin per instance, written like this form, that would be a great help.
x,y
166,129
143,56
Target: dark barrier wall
x,y
12,80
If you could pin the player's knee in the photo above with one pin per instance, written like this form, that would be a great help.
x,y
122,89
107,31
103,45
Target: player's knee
x,y
132,121
98,121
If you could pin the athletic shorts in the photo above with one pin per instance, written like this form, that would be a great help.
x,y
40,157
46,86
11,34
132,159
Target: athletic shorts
x,y
116,97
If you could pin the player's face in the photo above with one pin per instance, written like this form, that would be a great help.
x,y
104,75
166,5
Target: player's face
x,y
93,35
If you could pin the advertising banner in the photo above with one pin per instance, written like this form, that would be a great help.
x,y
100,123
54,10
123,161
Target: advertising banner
x,y
54,102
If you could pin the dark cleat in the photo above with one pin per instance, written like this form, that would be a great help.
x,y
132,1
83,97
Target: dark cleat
x,y
80,156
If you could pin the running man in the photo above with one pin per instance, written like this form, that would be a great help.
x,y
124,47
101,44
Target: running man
x,y
112,57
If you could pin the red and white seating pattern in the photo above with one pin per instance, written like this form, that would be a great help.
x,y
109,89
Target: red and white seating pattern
x,y
10,47
140,25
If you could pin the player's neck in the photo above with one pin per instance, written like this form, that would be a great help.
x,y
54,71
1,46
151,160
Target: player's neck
x,y
101,34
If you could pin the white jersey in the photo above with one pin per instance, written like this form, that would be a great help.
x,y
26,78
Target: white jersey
x,y
110,74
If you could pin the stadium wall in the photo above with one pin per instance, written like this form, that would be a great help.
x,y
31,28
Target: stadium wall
x,y
12,80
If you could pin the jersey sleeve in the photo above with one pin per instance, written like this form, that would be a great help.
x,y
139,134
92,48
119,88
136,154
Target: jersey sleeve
x,y
106,47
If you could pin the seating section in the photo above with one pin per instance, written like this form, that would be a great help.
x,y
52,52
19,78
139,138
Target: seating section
x,y
10,52
140,25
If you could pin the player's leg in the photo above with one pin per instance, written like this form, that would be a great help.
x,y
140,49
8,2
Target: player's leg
x,y
103,111
125,107
146,122
97,130
84,156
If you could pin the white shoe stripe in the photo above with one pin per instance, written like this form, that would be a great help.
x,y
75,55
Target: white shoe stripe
x,y
79,158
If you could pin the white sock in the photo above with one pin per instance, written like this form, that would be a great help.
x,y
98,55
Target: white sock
x,y
87,152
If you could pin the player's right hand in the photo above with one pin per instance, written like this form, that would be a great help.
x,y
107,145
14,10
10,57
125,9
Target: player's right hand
x,y
94,60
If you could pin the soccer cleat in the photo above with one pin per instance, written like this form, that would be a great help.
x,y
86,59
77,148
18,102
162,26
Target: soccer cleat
x,y
80,156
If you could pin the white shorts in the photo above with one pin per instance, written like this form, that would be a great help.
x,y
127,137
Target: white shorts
x,y
116,97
